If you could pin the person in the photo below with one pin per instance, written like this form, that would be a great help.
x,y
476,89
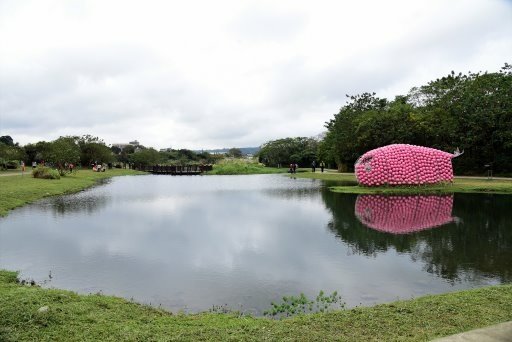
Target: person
x,y
313,166
295,166
322,165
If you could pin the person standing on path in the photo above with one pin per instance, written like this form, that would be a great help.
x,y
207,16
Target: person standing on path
x,y
313,166
322,165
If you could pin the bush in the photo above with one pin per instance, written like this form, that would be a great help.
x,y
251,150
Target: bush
x,y
241,167
45,173
11,164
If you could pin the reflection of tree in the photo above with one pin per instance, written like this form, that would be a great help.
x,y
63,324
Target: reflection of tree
x,y
298,193
63,205
479,245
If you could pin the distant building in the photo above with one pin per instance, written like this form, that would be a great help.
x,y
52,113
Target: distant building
x,y
122,146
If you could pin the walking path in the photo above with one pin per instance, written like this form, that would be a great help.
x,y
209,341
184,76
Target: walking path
x,y
496,333
2,174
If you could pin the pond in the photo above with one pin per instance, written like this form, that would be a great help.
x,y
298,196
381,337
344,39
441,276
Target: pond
x,y
187,243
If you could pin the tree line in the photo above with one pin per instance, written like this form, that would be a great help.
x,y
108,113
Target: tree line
x,y
472,112
87,149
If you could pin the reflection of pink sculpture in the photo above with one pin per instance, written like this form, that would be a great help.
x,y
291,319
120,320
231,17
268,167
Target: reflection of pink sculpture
x,y
403,214
404,164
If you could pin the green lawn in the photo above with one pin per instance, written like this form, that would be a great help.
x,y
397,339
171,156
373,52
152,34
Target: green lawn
x,y
72,317
242,167
460,184
18,190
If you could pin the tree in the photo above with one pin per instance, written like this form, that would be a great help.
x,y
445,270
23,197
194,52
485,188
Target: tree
x,y
7,140
472,112
341,131
477,111
93,150
61,151
10,155
145,157
300,150
234,153
116,150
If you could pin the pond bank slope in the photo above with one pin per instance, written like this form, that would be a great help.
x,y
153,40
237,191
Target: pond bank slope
x,y
31,313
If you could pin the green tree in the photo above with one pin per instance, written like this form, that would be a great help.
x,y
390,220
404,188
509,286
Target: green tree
x,y
342,135
125,154
10,155
116,150
234,153
300,150
472,112
7,140
93,150
146,157
61,151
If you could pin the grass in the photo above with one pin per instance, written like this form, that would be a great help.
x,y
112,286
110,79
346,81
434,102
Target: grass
x,y
460,184
242,167
17,190
67,316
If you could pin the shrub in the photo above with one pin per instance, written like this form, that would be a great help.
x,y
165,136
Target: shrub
x,y
45,173
11,164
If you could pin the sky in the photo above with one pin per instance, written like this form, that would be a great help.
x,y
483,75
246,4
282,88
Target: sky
x,y
212,74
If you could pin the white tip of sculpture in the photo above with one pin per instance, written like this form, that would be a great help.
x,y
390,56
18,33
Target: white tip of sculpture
x,y
457,153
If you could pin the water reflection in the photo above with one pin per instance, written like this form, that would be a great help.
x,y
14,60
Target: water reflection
x,y
85,203
190,242
404,214
477,245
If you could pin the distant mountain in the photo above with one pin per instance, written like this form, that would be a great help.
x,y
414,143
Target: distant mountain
x,y
245,150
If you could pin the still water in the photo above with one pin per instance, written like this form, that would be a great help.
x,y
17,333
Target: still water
x,y
187,243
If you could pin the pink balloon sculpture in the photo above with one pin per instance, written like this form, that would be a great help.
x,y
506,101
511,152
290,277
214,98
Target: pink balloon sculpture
x,y
403,214
402,164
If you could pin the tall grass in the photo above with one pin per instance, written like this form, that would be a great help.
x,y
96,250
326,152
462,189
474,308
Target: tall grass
x,y
242,167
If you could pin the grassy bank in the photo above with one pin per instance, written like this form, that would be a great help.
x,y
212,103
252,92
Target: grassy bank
x,y
31,313
242,167
460,184
18,190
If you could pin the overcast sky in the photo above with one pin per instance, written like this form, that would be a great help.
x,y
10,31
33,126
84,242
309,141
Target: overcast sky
x,y
209,74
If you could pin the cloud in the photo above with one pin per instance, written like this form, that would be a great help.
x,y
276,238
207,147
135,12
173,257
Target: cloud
x,y
204,75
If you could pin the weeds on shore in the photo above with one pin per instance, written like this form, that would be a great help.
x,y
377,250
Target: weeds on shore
x,y
294,305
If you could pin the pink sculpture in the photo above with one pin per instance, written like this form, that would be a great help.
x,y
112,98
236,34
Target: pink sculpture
x,y
403,214
402,164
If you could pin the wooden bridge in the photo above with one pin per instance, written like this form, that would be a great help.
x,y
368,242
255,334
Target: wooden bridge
x,y
178,170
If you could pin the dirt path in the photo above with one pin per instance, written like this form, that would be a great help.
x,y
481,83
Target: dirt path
x,y
4,174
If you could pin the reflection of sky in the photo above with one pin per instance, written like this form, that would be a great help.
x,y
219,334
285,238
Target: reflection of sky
x,y
190,242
